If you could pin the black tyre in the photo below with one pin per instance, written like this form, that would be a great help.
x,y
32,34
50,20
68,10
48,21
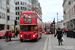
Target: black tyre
x,y
36,39
21,40
41,36
0,37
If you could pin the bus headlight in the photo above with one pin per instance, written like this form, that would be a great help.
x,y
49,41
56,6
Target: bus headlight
x,y
21,35
33,35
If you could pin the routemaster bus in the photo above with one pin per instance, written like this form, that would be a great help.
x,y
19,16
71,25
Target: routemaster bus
x,y
30,26
47,28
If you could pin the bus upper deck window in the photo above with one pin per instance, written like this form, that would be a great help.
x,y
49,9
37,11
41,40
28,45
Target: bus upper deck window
x,y
31,15
24,16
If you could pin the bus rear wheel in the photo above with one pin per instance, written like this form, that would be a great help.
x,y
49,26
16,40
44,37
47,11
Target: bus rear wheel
x,y
41,36
21,40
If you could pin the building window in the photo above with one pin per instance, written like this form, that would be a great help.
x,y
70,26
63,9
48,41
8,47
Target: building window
x,y
8,10
16,13
17,3
4,16
8,18
8,2
16,18
25,3
21,3
25,8
12,4
18,8
15,8
21,8
12,11
0,14
29,1
2,6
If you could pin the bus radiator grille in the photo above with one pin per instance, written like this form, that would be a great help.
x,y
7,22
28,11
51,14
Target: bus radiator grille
x,y
27,36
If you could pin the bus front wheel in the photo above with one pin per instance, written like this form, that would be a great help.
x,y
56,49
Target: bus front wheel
x,y
21,40
36,39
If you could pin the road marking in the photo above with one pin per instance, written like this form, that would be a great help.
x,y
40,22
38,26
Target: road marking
x,y
49,43
45,46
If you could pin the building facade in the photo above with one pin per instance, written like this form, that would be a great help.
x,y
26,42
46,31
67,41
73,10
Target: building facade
x,y
69,13
7,14
36,7
60,24
21,6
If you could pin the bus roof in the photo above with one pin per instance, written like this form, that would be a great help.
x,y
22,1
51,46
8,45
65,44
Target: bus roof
x,y
29,12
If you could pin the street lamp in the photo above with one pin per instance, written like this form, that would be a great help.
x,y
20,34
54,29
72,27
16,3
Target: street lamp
x,y
57,20
69,2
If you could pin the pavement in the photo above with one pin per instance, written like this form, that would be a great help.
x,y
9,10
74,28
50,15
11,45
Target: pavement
x,y
68,44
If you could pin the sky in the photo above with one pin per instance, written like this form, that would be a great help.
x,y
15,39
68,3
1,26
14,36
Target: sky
x,y
50,8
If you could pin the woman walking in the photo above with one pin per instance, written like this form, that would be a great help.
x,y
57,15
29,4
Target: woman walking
x,y
59,36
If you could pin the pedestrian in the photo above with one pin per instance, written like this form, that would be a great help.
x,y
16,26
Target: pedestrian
x,y
17,32
59,36
64,31
6,36
9,34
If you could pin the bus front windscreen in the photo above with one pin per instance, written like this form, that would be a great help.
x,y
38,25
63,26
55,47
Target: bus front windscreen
x,y
47,25
48,30
28,28
23,28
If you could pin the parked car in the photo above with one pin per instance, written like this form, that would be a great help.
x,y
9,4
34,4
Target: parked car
x,y
2,33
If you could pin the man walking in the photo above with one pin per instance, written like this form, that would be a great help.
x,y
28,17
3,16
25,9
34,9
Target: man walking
x,y
17,32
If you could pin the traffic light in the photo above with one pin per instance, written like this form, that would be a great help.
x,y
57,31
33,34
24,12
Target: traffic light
x,y
53,22
15,22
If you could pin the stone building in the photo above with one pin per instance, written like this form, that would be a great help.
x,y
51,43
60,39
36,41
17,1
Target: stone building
x,y
7,14
36,7
69,13
21,6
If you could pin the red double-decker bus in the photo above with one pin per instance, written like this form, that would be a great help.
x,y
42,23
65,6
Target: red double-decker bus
x,y
30,26
47,28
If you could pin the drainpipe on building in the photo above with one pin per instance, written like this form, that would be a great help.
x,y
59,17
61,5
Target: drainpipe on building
x,y
69,2
57,20
6,16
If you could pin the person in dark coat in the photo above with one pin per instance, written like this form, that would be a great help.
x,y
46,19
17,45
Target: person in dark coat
x,y
17,32
10,36
59,36
6,34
